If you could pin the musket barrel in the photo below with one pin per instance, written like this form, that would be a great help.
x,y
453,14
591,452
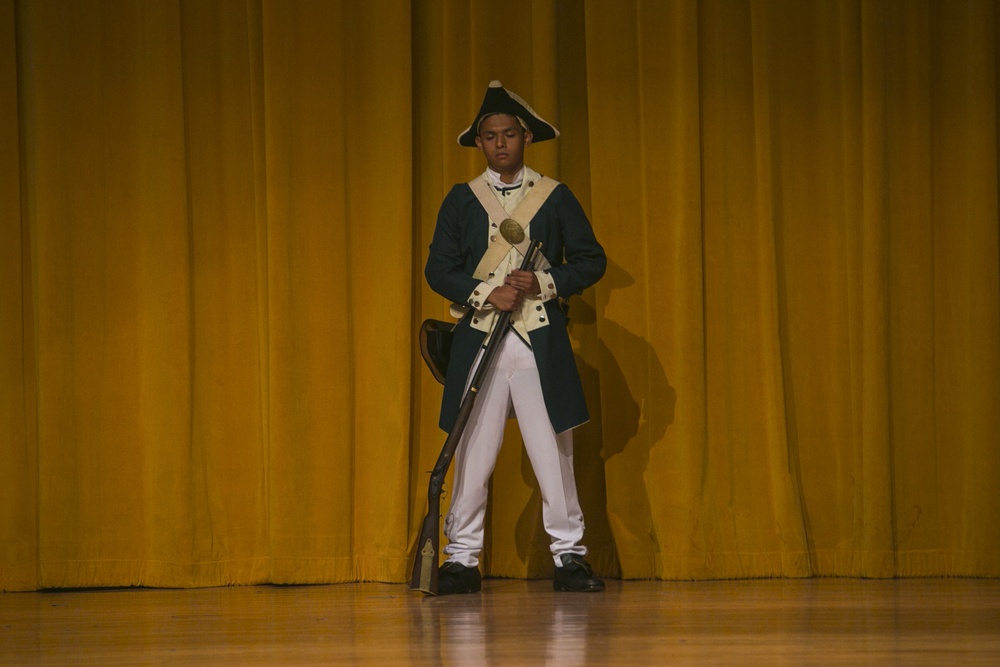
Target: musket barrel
x,y
424,576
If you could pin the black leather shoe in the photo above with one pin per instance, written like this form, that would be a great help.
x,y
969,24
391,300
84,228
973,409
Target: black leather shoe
x,y
456,578
576,576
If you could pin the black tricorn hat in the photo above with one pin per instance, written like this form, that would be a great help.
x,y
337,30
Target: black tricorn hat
x,y
500,100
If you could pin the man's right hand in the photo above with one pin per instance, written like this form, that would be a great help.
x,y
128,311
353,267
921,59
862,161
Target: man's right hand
x,y
505,298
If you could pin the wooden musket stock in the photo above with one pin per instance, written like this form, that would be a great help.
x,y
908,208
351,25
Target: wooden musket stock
x,y
425,564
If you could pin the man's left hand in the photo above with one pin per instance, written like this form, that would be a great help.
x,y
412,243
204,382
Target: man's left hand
x,y
524,281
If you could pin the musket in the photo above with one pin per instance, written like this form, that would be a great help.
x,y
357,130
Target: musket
x,y
425,564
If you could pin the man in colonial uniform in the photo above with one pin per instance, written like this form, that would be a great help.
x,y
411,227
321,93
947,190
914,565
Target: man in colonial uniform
x,y
482,232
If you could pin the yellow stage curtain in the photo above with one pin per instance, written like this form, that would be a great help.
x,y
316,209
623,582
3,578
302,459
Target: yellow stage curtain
x,y
211,278
800,201
213,226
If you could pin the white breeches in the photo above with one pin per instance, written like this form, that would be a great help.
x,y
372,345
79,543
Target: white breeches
x,y
513,380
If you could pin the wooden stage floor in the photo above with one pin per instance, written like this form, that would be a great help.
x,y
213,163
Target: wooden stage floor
x,y
513,622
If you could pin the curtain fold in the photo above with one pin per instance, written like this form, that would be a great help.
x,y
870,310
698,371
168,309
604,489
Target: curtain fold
x,y
18,431
338,127
214,223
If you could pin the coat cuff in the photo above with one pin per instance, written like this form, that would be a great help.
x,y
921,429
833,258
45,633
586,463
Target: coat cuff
x,y
478,297
547,284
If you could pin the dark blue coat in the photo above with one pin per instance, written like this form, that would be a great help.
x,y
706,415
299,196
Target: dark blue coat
x,y
578,261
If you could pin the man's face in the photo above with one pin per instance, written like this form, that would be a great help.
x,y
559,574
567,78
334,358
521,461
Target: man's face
x,y
502,140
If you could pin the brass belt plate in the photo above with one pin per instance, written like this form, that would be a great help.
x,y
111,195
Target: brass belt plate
x,y
512,232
